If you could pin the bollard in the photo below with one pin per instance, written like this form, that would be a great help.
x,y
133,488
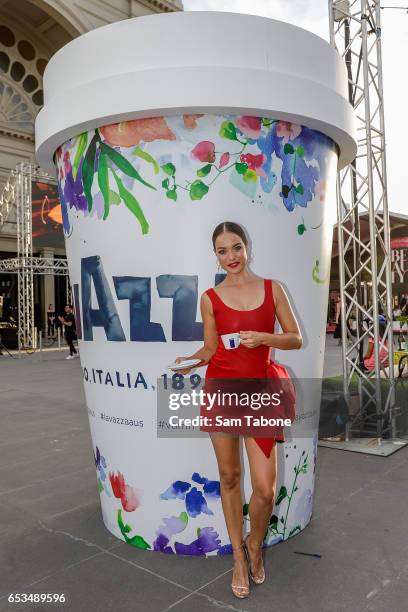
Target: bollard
x,y
59,338
40,344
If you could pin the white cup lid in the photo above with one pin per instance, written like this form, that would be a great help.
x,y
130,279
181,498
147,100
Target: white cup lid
x,y
194,62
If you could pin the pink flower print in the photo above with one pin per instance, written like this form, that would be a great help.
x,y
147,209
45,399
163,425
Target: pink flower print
x,y
224,159
249,126
124,492
320,189
67,163
204,151
287,131
254,162
129,133
129,499
190,121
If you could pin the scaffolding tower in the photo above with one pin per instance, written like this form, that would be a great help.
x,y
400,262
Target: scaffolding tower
x,y
355,31
18,192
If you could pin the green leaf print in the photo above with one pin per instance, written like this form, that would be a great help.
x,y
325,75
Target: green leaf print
x,y
147,157
227,130
169,169
250,175
198,190
241,168
172,193
281,495
138,542
103,182
88,171
132,204
83,140
114,198
294,530
123,164
204,170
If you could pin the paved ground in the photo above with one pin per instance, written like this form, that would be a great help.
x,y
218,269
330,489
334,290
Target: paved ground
x,y
332,357
52,539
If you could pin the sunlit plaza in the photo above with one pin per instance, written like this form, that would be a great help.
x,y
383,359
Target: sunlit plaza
x,y
54,541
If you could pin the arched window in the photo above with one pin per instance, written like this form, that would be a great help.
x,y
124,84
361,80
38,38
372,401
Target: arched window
x,y
15,113
21,71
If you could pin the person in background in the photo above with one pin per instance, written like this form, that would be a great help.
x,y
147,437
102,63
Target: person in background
x,y
396,313
369,358
50,320
352,325
68,323
403,305
337,331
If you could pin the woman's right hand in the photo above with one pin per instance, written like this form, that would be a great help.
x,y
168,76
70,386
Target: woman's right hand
x,y
186,370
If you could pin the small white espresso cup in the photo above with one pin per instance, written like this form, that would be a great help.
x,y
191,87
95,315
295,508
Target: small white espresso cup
x,y
231,341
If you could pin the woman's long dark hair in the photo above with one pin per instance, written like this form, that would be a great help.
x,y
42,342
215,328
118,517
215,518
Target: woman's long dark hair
x,y
233,228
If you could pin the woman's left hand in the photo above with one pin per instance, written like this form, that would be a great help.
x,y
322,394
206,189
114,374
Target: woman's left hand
x,y
251,339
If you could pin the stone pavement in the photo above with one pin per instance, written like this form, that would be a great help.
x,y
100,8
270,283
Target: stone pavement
x,y
332,365
52,538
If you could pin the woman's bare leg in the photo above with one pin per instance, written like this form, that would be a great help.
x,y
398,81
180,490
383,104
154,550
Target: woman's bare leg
x,y
263,472
226,449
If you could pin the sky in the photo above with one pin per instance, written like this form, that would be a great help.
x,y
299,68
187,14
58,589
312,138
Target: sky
x,y
313,16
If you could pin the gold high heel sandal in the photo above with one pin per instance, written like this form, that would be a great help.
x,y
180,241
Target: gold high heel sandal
x,y
259,577
239,590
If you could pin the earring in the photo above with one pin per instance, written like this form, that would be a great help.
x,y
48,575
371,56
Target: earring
x,y
218,266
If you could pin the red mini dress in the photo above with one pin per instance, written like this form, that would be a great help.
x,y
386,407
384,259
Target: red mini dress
x,y
245,362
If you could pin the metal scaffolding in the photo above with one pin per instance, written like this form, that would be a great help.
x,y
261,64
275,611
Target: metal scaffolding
x,y
355,32
8,197
18,193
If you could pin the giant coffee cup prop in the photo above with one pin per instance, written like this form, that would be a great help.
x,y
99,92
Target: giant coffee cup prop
x,y
157,136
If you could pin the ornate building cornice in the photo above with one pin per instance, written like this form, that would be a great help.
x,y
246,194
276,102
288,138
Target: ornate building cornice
x,y
6,131
162,5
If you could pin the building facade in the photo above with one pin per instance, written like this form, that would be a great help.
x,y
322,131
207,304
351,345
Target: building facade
x,y
31,31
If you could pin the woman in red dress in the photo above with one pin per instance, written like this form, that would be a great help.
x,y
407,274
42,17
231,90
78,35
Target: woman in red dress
x,y
246,304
